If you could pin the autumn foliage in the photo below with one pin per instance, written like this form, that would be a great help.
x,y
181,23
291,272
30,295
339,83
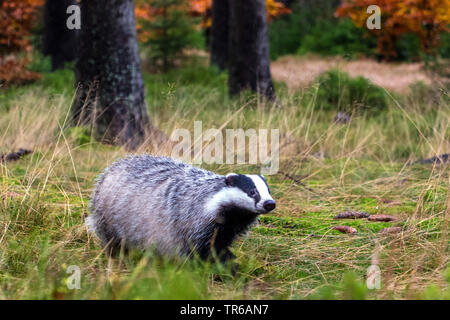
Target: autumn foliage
x,y
275,9
202,9
17,18
427,19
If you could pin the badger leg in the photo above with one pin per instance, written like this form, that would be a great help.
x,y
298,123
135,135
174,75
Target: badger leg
x,y
208,253
226,255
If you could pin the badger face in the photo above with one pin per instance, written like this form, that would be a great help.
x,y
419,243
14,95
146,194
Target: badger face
x,y
250,192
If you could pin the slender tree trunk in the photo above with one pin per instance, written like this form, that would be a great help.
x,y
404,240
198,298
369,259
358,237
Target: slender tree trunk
x,y
59,41
110,88
249,63
219,33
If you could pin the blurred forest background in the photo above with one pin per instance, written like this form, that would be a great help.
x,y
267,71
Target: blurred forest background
x,y
241,38
364,120
412,30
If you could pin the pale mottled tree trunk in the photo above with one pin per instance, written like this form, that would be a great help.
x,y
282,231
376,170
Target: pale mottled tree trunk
x,y
249,62
108,73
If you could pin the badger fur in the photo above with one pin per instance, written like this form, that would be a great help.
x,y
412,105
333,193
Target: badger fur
x,y
147,201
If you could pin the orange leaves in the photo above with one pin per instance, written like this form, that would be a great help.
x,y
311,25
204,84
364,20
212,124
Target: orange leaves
x,y
16,20
148,11
199,7
427,19
13,71
36,3
202,8
275,9
143,12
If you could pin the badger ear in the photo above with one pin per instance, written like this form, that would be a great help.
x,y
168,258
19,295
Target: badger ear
x,y
230,178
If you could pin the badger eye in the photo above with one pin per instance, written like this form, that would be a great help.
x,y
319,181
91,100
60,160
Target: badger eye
x,y
253,193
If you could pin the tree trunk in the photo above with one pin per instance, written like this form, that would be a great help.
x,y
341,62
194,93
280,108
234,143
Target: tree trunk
x,y
59,41
249,63
219,33
110,88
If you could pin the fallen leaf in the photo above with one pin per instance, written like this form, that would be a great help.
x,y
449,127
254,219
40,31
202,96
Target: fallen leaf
x,y
390,230
10,194
352,215
57,295
382,218
345,229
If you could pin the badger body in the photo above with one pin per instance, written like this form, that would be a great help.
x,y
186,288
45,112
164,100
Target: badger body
x,y
147,201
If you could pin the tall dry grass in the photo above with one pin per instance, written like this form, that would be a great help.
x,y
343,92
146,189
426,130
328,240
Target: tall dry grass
x,y
325,168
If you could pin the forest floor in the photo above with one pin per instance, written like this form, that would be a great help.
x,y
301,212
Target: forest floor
x,y
300,72
293,253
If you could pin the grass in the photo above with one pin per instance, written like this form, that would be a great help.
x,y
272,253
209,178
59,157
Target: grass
x,y
291,254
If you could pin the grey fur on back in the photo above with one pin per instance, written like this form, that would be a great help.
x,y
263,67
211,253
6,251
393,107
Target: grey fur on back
x,y
144,201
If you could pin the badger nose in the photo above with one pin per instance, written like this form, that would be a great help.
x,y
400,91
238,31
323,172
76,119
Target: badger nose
x,y
269,205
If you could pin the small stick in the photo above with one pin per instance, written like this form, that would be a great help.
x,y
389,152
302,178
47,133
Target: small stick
x,y
287,175
14,156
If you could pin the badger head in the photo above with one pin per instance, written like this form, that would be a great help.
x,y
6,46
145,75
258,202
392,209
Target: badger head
x,y
249,192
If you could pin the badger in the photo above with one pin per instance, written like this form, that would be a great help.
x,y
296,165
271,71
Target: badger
x,y
148,201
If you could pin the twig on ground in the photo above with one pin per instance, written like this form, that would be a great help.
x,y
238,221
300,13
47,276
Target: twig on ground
x,y
14,156
297,181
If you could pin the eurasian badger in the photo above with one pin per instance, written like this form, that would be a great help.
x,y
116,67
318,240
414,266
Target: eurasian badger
x,y
147,201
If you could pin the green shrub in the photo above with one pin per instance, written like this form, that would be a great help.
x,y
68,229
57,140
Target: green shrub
x,y
337,91
444,48
312,28
425,96
337,38
80,135
287,32
40,63
351,287
408,48
172,31
198,75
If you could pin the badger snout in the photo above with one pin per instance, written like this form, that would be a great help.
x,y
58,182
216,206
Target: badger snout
x,y
269,205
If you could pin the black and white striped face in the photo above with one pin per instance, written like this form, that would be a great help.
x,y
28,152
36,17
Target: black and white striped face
x,y
251,192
